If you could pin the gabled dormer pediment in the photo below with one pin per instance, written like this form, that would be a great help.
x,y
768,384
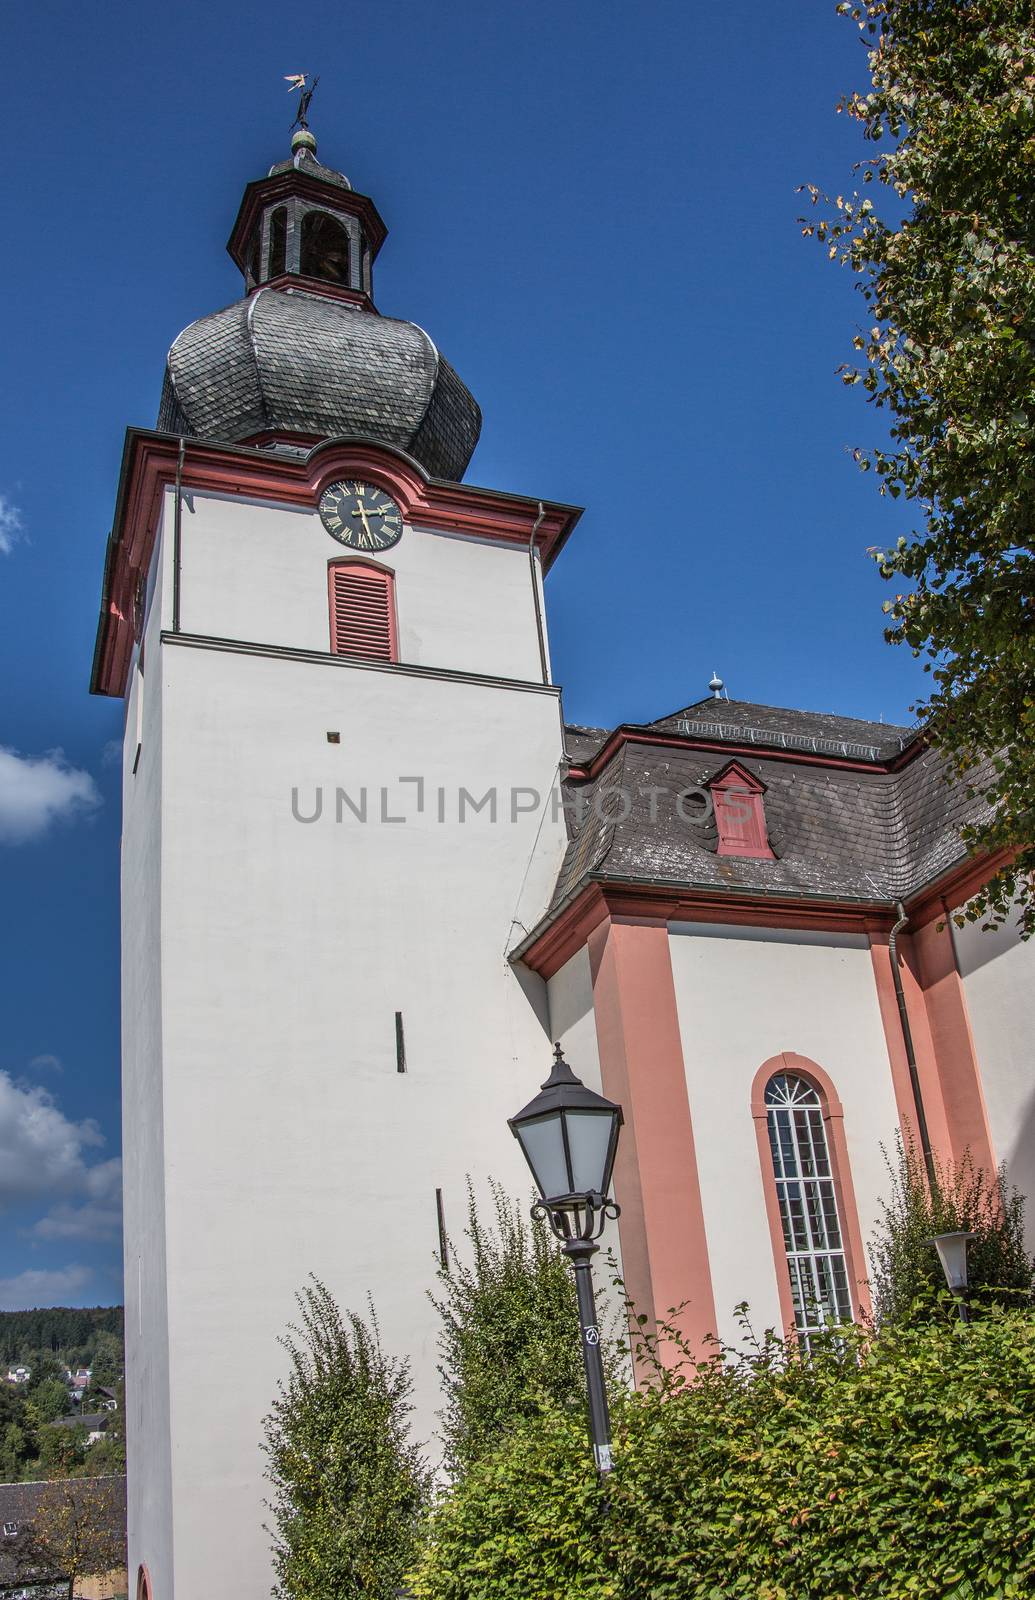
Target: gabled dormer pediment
x,y
737,796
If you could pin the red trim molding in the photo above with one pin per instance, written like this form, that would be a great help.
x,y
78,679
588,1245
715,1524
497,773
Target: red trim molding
x,y
841,1171
149,468
550,946
664,1246
952,1041
943,1044
632,733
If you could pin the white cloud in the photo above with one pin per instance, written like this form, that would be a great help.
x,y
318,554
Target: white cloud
x,y
100,1218
39,1287
111,753
36,791
11,525
43,1157
46,1063
43,1153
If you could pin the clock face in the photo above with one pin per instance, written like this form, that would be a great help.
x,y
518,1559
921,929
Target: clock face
x,y
360,515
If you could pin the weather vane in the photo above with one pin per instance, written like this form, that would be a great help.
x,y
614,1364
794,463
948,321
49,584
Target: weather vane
x,y
298,80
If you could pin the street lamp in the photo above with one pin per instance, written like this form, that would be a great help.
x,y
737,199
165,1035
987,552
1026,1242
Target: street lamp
x,y
569,1136
952,1253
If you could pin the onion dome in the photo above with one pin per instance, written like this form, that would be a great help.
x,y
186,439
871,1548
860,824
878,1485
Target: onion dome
x,y
305,355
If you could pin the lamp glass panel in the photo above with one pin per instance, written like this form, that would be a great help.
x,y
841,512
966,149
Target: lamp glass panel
x,y
544,1151
952,1252
589,1136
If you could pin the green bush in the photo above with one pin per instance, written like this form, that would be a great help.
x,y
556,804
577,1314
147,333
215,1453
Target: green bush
x,y
907,1281
896,1466
349,1489
510,1341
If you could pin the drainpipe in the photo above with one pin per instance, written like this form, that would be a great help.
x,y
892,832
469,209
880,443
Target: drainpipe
x,y
535,592
907,1035
176,538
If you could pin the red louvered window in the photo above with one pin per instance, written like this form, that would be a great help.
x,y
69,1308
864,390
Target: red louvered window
x,y
740,813
362,603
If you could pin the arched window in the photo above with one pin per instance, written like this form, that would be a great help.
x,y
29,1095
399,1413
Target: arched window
x,y
362,610
806,1193
144,1590
278,242
325,248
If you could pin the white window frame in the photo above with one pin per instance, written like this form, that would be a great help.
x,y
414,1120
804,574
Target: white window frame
x,y
806,1191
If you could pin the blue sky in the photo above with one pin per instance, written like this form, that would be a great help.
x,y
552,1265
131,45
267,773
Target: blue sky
x,y
592,209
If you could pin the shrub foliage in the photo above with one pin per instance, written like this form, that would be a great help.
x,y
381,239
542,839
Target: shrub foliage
x,y
348,1488
900,1465
509,1342
906,1279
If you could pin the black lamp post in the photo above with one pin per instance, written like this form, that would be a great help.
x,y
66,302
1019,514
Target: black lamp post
x,y
569,1136
952,1253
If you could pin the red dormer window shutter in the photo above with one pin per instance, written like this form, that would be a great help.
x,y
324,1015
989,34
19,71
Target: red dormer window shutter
x,y
362,608
740,813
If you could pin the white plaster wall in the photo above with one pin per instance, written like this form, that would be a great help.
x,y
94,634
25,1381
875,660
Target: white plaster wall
x,y
572,1023
255,571
147,1345
744,995
292,1144
573,1026
999,983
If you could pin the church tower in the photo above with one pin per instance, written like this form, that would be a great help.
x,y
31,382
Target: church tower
x,y
341,766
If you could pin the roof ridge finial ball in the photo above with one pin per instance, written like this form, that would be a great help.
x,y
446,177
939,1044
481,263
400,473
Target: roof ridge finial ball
x,y
303,139
716,686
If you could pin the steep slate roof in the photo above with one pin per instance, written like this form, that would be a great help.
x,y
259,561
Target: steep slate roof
x,y
19,1503
303,363
820,731
837,833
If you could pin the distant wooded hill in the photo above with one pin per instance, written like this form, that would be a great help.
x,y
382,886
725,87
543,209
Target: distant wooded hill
x,y
72,1329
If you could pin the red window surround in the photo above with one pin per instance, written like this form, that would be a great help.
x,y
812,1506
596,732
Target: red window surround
x,y
788,1061
362,610
740,813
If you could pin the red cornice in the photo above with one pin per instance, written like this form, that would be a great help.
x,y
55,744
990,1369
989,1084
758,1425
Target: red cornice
x,y
955,887
630,733
570,928
149,467
267,191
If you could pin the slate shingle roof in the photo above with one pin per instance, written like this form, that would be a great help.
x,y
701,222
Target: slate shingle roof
x,y
19,1503
304,161
839,833
824,732
304,363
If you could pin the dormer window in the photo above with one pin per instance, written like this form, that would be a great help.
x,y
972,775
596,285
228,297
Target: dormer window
x,y
737,796
325,248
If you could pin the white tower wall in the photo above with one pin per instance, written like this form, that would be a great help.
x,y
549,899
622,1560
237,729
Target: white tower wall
x,y
269,1133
